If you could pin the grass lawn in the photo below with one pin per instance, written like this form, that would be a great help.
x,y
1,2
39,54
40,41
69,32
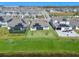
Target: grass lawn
x,y
37,41
39,45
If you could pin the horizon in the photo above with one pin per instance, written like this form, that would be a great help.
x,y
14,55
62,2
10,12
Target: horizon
x,y
39,3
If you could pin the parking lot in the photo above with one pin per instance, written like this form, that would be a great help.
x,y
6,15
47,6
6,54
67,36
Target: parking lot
x,y
67,34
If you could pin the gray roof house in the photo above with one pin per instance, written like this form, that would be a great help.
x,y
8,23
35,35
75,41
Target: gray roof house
x,y
74,23
15,21
39,24
17,25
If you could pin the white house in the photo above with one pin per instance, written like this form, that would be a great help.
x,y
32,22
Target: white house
x,y
62,25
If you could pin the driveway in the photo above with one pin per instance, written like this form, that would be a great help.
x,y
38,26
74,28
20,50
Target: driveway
x,y
67,34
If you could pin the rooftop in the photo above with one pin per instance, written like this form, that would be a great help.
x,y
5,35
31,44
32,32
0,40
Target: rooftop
x,y
41,22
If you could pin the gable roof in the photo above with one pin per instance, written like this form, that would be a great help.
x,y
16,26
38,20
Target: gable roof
x,y
41,22
16,21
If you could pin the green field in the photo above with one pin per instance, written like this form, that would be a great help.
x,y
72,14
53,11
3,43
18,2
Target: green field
x,y
41,44
37,41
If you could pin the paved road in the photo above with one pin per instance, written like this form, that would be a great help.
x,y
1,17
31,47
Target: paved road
x,y
69,34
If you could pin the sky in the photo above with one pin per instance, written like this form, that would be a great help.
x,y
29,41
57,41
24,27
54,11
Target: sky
x,y
39,3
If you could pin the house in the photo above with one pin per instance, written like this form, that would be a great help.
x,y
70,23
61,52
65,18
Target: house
x,y
39,24
18,29
15,20
62,25
75,23
17,25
